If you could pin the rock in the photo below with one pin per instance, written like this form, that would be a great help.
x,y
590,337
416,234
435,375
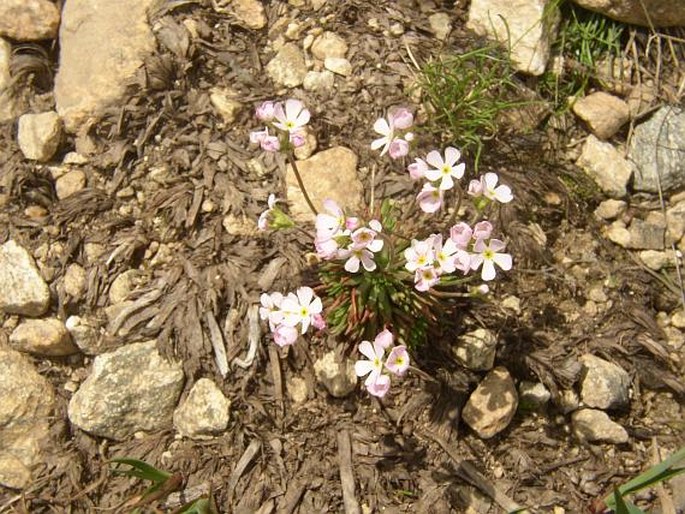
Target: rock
x,y
128,390
328,174
70,183
39,135
492,406
656,260
647,234
249,12
329,44
678,319
46,337
657,148
611,209
531,24
568,401
29,20
321,82
662,13
123,285
675,223
604,385
5,59
25,419
74,280
298,390
605,114
607,167
308,148
204,412
595,426
597,294
476,349
85,333
339,378
22,289
440,25
533,395
239,225
288,67
338,65
102,46
511,303
225,103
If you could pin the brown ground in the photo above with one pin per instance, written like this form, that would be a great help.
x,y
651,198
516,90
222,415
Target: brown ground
x,y
409,453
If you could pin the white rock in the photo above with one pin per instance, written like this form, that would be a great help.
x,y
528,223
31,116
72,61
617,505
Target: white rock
x,y
22,289
656,260
605,114
533,395
529,24
321,82
619,234
329,44
85,333
440,25
339,378
568,401
225,103
298,390
610,209
604,385
492,406
26,413
609,169
239,225
678,319
29,20
328,174
287,68
476,349
129,390
39,135
46,337
122,286
595,426
204,412
74,280
70,183
338,65
250,13
102,46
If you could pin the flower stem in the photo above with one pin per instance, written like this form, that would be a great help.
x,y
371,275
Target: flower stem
x,y
291,160
455,213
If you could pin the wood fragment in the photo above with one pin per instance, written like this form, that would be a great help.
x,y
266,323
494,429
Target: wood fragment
x,y
268,276
189,494
468,472
253,338
217,341
346,475
275,362
245,460
292,497
140,303
267,507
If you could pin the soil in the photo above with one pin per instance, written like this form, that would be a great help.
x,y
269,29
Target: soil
x,y
165,154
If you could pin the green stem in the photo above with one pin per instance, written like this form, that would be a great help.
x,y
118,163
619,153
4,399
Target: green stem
x,y
291,160
455,213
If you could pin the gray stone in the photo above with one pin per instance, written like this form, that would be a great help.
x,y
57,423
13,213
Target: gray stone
x,y
129,390
47,337
440,25
39,135
646,234
74,280
328,174
662,13
70,183
533,395
595,426
338,377
530,25
605,114
102,46
249,12
204,412
25,417
287,68
476,349
607,167
610,209
85,333
225,103
321,82
329,44
656,150
338,65
29,20
22,289
492,406
604,385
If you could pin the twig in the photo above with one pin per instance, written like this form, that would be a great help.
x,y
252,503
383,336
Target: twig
x,y
292,498
346,476
276,374
140,303
291,160
253,337
217,344
247,457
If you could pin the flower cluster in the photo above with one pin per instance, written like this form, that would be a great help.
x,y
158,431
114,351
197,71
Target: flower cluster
x,y
286,122
274,217
467,249
284,313
394,138
339,237
377,382
486,187
440,172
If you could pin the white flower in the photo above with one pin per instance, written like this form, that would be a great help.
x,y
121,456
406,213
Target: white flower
x,y
491,191
488,255
293,117
445,169
301,308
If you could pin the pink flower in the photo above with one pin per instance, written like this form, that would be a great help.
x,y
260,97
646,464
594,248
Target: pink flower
x,y
326,247
257,136
263,221
318,322
491,191
357,256
265,112
445,169
482,230
293,117
377,383
425,278
270,144
461,234
285,335
475,188
430,198
329,223
417,169
270,309
488,255
419,255
401,118
398,360
398,148
298,138
384,339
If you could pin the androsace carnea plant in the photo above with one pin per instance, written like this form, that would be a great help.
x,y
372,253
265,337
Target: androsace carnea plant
x,y
376,282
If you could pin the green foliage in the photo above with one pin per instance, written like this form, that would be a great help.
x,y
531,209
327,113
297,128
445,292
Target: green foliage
x,y
466,93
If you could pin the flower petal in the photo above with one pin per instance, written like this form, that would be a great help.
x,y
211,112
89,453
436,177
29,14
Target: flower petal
x,y
503,260
452,155
366,349
434,159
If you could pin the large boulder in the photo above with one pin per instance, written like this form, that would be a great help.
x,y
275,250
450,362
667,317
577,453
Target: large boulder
x,y
658,13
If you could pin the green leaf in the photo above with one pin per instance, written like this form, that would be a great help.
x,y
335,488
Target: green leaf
x,y
141,470
623,506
